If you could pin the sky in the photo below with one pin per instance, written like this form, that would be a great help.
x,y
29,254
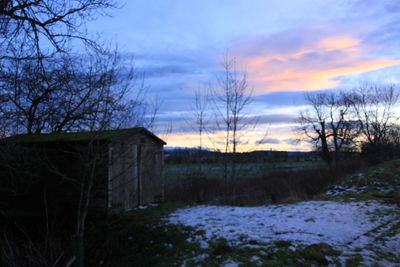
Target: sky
x,y
287,47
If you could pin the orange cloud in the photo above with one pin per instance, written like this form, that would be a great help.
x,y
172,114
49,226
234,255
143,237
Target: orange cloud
x,y
315,67
315,79
215,141
339,42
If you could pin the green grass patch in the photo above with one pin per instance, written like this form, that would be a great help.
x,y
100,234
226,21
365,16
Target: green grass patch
x,y
140,238
354,261
380,182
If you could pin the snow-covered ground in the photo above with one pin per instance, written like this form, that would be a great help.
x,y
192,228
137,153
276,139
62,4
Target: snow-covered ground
x,y
310,222
347,226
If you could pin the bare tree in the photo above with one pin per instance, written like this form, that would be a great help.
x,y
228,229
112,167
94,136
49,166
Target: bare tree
x,y
374,109
201,103
313,123
198,120
91,94
90,156
38,28
343,130
230,99
94,154
327,124
45,88
343,121
71,94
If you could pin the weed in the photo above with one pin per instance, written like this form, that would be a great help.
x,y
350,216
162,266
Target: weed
x,y
354,261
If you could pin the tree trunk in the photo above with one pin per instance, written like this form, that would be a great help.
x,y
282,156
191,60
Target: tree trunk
x,y
324,146
79,250
325,151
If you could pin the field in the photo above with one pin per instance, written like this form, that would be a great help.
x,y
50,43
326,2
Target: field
x,y
175,171
253,183
354,222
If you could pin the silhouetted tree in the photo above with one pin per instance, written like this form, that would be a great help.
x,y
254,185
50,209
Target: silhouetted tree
x,y
231,98
327,124
92,94
70,94
374,110
35,29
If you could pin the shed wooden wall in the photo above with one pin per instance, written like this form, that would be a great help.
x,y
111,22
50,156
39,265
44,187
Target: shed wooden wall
x,y
152,172
135,172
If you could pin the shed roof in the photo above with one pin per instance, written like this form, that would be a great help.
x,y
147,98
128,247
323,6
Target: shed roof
x,y
83,136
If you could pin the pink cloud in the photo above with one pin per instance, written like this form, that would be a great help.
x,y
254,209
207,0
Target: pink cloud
x,y
313,65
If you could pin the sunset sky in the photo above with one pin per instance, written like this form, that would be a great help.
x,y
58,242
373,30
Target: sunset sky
x,y
288,48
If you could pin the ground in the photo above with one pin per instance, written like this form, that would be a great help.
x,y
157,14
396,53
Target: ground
x,y
356,222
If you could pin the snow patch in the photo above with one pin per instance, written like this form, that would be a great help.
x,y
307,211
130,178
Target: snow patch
x,y
340,190
257,260
143,207
335,223
230,263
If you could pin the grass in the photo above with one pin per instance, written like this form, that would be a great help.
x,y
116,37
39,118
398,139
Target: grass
x,y
139,238
254,188
174,172
380,182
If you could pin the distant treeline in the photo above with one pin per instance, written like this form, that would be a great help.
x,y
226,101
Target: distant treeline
x,y
205,156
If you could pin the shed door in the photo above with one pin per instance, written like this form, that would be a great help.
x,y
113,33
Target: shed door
x,y
110,176
136,150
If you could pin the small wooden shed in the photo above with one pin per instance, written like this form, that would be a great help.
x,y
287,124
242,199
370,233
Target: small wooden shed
x,y
135,169
129,172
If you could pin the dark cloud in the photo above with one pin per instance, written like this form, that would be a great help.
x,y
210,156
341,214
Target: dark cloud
x,y
291,141
167,70
274,118
273,141
276,141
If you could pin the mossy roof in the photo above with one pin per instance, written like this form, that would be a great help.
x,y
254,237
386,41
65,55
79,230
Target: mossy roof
x,y
82,136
